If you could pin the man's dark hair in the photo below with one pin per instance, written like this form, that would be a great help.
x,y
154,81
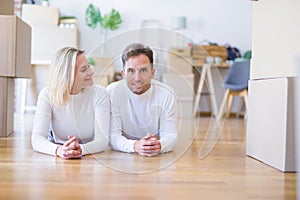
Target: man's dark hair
x,y
136,49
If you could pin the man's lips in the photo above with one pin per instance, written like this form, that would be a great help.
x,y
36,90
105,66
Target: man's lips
x,y
137,85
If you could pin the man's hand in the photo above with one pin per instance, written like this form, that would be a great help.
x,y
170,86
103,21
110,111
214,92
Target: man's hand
x,y
70,149
147,146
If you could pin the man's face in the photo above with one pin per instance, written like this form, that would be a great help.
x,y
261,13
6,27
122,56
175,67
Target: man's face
x,y
138,73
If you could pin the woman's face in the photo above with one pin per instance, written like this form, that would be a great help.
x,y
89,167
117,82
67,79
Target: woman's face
x,y
83,74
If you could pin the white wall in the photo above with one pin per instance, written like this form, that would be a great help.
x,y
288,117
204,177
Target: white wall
x,y
224,22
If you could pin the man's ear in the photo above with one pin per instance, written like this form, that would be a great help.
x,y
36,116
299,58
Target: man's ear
x,y
153,72
123,73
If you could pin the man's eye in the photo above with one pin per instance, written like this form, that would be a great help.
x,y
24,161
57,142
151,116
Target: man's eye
x,y
144,70
130,70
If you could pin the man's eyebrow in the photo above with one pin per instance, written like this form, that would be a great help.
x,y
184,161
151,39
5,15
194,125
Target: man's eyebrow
x,y
145,67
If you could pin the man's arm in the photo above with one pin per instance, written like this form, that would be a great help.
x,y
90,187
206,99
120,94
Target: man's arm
x,y
168,130
101,124
117,140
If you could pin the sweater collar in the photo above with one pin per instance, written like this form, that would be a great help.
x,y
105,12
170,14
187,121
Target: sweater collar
x,y
143,96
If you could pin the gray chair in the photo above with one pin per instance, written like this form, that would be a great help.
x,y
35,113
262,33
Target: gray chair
x,y
235,84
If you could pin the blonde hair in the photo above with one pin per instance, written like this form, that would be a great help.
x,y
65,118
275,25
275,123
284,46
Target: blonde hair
x,y
62,72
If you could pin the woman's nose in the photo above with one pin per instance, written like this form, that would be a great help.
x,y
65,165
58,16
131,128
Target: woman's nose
x,y
90,71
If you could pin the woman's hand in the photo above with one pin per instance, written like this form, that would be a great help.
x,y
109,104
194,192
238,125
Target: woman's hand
x,y
70,149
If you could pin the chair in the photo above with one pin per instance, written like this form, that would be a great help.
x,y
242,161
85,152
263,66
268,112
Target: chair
x,y
235,84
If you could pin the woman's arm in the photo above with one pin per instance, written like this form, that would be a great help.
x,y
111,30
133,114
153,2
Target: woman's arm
x,y
101,124
41,125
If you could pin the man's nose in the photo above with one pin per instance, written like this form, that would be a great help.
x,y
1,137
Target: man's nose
x,y
137,75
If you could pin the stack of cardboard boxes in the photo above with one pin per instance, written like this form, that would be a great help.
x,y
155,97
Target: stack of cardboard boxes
x,y
15,52
180,78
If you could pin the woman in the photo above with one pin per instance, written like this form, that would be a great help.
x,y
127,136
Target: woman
x,y
73,115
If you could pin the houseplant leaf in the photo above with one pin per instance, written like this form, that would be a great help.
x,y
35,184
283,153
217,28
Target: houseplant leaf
x,y
92,16
91,61
111,20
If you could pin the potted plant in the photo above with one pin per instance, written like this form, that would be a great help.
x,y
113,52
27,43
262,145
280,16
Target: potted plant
x,y
45,3
111,20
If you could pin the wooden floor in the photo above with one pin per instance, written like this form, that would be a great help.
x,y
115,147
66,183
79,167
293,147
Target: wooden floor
x,y
197,169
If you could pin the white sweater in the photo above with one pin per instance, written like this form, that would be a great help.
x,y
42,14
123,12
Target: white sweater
x,y
134,116
86,116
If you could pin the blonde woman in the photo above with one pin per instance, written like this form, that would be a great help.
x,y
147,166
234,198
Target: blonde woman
x,y
73,115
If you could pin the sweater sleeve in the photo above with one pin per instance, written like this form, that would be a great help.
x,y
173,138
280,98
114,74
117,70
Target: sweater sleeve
x,y
168,130
117,141
101,124
39,137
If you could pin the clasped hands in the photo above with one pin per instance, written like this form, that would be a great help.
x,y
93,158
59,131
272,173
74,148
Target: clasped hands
x,y
147,146
70,149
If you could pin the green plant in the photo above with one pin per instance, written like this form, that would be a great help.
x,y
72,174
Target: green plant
x,y
91,61
111,20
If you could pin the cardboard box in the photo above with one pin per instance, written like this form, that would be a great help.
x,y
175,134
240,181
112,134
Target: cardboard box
x,y
6,106
271,133
7,7
40,15
179,65
201,52
15,48
183,85
104,66
185,107
46,40
182,52
101,79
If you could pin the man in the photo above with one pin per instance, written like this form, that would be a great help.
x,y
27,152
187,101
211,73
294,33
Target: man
x,y
143,116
